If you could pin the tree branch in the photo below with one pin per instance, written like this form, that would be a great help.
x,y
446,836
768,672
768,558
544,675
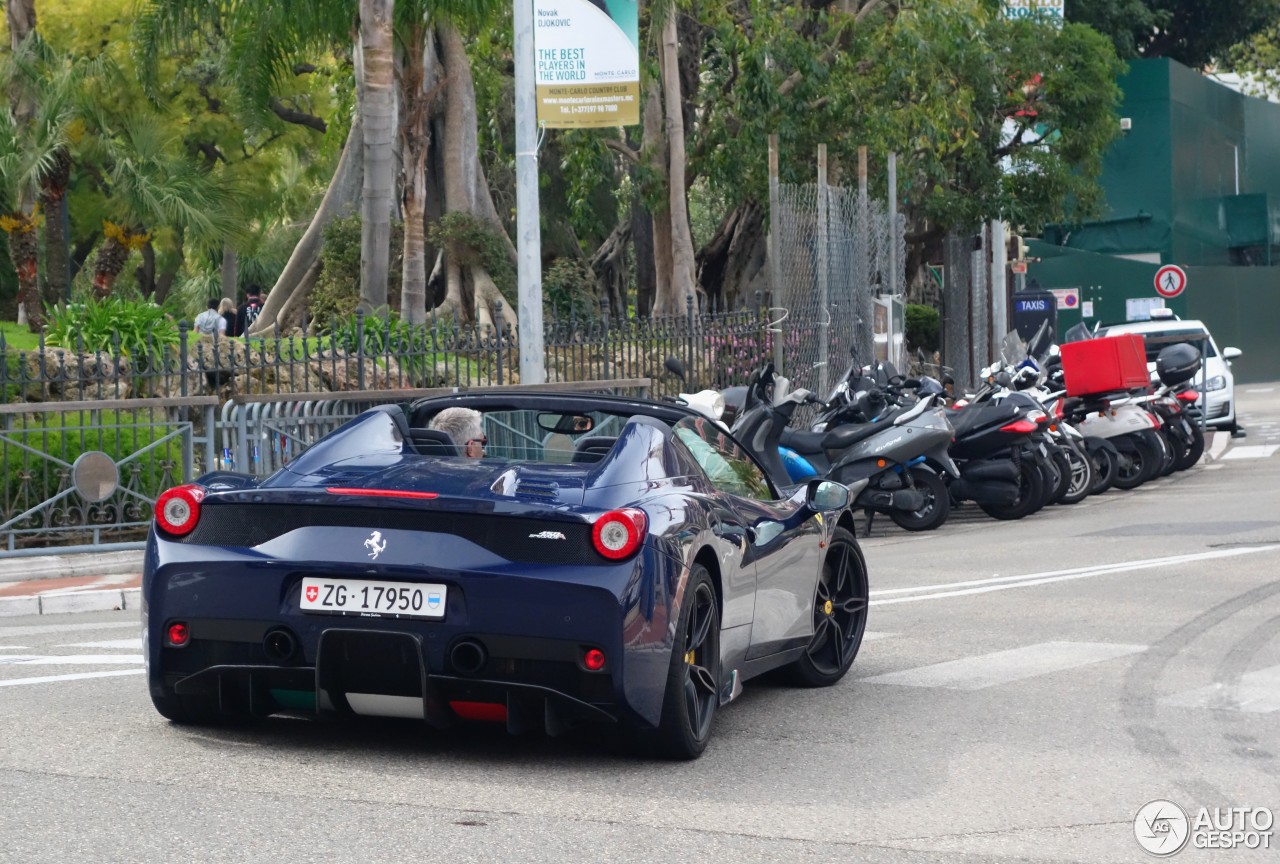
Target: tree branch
x,y
301,118
622,148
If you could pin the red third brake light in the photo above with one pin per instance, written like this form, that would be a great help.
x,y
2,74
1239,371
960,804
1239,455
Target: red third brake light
x,y
1021,426
618,533
178,509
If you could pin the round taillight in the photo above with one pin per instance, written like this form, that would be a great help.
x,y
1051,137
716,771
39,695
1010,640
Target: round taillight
x,y
178,509
618,533
179,634
593,659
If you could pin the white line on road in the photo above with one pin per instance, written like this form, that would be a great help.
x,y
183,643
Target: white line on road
x,y
68,659
1261,451
78,676
1219,442
1261,390
111,643
14,648
1258,693
1003,667
36,629
1002,583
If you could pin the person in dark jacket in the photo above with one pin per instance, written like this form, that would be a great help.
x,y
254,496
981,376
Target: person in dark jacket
x,y
248,311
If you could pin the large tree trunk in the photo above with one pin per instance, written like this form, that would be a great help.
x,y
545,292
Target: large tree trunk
x,y
230,271
682,263
464,188
145,273
655,145
53,198
379,111
417,83
339,200
21,17
732,260
24,247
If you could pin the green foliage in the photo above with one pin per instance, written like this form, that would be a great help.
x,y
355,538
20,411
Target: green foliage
x,y
143,329
473,242
18,338
1193,32
25,477
569,290
924,327
415,349
337,290
1258,59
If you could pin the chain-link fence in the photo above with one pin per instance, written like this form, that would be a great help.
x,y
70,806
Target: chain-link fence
x,y
834,248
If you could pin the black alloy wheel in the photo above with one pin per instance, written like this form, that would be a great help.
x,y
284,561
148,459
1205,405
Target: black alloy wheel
x,y
1134,465
839,615
693,692
1195,450
1105,466
1030,494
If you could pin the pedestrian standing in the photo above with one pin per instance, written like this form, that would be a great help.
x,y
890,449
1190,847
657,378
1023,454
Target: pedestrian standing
x,y
248,311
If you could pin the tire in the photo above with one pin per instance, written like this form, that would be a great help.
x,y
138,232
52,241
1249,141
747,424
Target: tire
x,y
1030,494
839,616
1177,452
1063,466
1104,470
1195,451
1081,477
693,676
1135,465
937,503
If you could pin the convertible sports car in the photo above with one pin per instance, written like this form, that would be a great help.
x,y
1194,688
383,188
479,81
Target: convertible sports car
x,y
606,559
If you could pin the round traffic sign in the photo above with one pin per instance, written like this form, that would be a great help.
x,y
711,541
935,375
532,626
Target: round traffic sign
x,y
1170,280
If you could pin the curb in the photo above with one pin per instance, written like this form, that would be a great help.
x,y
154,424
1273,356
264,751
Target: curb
x,y
75,601
84,564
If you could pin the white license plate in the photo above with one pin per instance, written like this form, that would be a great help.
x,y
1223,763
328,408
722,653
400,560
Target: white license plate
x,y
373,599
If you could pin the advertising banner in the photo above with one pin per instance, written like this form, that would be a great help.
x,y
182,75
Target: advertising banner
x,y
588,62
1046,11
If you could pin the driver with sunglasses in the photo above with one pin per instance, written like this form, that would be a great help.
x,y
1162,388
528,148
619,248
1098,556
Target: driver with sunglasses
x,y
465,426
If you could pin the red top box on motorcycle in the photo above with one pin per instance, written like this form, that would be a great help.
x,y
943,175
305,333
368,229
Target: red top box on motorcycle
x,y
1105,365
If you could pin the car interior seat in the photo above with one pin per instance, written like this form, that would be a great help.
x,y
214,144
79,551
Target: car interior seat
x,y
593,448
433,442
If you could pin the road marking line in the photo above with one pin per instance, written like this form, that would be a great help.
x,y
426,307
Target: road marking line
x,y
871,636
14,648
1002,583
1005,667
36,629
78,676
1258,693
111,643
1261,390
67,659
1218,444
1260,451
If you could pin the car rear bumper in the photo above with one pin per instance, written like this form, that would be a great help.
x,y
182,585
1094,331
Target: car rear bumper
x,y
524,637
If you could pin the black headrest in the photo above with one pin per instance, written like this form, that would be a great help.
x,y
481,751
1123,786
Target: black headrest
x,y
592,448
433,442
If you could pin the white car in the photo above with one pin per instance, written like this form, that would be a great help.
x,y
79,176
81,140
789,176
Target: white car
x,y
1163,330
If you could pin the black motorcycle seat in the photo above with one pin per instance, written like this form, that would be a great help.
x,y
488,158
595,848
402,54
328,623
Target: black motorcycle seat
x,y
846,436
803,442
973,417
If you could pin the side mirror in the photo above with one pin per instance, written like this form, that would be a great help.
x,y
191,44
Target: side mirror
x,y
824,496
674,366
1231,353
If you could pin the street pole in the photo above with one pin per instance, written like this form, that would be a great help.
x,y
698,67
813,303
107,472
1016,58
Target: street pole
x,y
824,298
773,251
999,261
893,225
528,231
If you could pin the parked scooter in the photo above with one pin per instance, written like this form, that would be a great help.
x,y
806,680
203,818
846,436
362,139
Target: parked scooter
x,y
872,428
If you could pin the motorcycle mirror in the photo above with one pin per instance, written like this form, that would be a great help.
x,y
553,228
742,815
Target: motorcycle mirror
x,y
674,366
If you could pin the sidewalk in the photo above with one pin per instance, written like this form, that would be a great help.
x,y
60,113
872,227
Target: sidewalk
x,y
89,582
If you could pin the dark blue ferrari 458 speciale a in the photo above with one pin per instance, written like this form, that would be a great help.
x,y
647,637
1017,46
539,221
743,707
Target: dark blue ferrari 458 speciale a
x,y
596,559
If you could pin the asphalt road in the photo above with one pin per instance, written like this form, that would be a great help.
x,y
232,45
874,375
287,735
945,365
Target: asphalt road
x,y
1025,689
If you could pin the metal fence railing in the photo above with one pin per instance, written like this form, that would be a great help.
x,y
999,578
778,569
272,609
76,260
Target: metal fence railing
x,y
716,349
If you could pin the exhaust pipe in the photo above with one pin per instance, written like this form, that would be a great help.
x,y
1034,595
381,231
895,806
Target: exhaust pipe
x,y
280,645
468,657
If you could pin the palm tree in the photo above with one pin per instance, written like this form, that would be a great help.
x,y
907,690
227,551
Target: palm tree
x,y
150,183
35,133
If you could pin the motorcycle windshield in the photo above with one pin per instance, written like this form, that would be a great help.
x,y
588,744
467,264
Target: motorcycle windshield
x,y
1012,349
1078,333
1040,343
